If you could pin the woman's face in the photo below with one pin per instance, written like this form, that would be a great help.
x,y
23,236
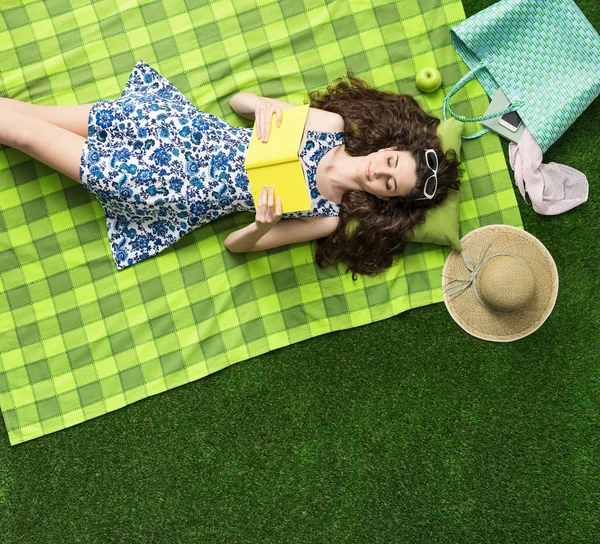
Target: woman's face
x,y
387,173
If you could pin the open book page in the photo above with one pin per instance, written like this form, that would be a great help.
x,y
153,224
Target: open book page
x,y
294,196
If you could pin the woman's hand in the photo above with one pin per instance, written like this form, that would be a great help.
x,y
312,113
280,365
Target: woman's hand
x,y
262,115
265,218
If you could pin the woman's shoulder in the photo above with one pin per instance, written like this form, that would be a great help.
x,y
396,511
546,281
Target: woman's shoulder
x,y
324,121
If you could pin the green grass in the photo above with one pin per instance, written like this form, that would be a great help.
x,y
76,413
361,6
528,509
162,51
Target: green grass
x,y
405,430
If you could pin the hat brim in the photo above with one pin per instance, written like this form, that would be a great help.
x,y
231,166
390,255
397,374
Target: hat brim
x,y
470,315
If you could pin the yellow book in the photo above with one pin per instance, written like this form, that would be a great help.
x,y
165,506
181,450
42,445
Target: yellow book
x,y
276,162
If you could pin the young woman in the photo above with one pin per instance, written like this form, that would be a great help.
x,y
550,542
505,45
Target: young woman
x,y
161,168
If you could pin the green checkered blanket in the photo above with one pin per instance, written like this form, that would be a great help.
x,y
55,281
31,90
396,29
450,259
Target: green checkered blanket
x,y
79,338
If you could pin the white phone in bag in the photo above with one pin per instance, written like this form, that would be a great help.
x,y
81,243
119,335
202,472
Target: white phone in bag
x,y
512,121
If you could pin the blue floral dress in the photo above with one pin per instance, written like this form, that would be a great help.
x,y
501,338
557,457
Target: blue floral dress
x,y
161,168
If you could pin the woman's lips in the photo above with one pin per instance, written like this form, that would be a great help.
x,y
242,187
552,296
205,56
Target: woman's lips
x,y
368,171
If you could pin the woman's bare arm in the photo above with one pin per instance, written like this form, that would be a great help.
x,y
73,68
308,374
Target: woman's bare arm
x,y
246,103
286,231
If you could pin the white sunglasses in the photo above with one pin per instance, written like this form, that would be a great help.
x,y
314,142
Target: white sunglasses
x,y
431,182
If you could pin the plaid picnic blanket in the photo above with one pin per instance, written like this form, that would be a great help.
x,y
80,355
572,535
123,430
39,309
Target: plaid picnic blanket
x,y
79,338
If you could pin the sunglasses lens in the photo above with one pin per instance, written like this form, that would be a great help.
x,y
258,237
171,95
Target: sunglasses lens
x,y
429,188
432,160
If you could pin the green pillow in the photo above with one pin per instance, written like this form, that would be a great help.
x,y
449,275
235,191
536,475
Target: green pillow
x,y
441,223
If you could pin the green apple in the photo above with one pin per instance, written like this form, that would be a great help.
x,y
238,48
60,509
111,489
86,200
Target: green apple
x,y
429,79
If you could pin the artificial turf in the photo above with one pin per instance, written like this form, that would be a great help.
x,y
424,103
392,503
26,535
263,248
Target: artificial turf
x,y
405,430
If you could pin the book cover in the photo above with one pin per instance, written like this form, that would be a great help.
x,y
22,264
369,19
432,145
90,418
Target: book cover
x,y
276,162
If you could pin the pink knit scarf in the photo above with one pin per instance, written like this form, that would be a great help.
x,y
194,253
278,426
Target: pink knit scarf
x,y
553,188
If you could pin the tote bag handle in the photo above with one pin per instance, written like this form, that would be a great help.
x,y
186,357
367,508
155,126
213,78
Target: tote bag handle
x,y
461,83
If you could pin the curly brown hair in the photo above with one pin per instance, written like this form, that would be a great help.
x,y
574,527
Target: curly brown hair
x,y
371,232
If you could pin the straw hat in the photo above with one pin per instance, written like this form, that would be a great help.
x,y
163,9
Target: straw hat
x,y
502,285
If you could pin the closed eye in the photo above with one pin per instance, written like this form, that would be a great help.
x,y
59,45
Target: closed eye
x,y
390,164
